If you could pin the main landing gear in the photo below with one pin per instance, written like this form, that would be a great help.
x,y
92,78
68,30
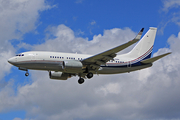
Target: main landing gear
x,y
81,80
89,75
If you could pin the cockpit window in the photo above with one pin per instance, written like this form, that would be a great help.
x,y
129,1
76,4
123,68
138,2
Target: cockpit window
x,y
20,55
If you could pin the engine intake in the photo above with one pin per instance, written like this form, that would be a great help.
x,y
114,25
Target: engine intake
x,y
59,75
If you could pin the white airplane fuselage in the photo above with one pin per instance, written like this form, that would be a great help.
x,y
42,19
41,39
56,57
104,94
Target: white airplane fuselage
x,y
53,61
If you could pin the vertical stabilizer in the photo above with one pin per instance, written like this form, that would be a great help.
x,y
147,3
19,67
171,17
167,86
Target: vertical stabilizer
x,y
144,47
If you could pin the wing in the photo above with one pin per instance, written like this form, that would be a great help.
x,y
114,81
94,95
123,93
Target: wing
x,y
94,62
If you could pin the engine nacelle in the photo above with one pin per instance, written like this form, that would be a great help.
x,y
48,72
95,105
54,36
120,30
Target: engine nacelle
x,y
59,75
72,65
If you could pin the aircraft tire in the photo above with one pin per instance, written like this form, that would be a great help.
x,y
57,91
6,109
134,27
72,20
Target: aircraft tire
x,y
26,74
81,81
89,75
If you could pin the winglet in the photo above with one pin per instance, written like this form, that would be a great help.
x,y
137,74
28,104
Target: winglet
x,y
139,34
142,30
151,60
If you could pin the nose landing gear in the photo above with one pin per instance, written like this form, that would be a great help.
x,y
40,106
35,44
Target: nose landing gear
x,y
27,73
24,69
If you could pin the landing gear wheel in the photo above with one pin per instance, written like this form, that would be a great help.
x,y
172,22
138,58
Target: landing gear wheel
x,y
27,74
81,81
89,75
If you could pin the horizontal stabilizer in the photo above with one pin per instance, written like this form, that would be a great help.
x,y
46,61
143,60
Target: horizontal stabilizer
x,y
151,60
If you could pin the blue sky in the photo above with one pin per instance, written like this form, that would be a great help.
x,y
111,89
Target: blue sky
x,y
89,18
89,26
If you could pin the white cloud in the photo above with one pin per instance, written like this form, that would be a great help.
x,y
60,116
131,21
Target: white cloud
x,y
17,18
174,42
147,94
93,22
111,88
6,51
169,4
170,15
64,40
17,119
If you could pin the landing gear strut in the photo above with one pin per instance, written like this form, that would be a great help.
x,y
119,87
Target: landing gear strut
x,y
81,81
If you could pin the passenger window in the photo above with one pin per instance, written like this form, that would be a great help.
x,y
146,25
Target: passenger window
x,y
50,56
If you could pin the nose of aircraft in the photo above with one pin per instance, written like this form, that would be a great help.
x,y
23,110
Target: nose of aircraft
x,y
11,60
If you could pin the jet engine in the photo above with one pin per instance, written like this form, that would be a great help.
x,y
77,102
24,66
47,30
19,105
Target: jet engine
x,y
72,66
59,75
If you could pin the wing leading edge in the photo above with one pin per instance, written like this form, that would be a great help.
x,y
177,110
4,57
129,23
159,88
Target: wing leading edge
x,y
95,61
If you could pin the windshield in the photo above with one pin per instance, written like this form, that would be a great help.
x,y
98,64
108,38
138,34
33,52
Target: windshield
x,y
20,55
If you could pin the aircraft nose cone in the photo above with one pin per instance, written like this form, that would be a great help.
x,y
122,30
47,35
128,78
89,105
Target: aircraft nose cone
x,y
11,60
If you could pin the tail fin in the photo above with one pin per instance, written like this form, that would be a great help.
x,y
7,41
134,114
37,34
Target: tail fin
x,y
144,47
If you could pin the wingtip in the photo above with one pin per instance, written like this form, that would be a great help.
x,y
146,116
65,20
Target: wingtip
x,y
168,53
142,30
139,34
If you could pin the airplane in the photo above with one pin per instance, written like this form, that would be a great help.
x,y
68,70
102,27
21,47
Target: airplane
x,y
62,66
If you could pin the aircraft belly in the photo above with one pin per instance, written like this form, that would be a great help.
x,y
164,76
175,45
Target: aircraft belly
x,y
56,66
116,70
